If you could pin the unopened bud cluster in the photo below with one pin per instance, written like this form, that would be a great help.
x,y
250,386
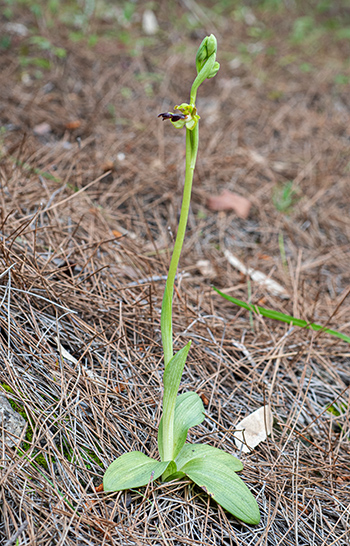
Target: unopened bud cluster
x,y
207,67
207,48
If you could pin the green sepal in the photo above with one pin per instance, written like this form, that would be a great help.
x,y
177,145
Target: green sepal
x,y
192,118
216,475
179,124
189,412
190,452
191,124
132,470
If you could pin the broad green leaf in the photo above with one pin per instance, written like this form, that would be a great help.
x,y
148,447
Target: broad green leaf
x,y
171,380
189,412
222,484
131,470
201,451
277,315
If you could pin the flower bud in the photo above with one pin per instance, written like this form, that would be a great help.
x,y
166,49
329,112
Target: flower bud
x,y
212,45
215,70
207,48
202,54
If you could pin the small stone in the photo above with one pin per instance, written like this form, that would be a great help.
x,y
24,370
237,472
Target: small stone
x,y
11,423
206,269
17,28
149,22
42,129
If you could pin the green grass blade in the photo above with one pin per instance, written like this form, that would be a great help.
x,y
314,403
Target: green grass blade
x,y
277,315
22,454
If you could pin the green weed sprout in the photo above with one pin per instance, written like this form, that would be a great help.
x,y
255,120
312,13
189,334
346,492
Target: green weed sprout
x,y
277,315
212,469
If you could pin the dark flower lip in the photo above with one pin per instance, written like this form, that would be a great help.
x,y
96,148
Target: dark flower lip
x,y
171,116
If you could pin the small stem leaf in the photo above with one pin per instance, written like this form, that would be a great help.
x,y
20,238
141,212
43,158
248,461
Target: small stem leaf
x,y
170,470
191,452
224,486
172,376
277,315
171,380
189,412
175,476
132,470
160,439
166,322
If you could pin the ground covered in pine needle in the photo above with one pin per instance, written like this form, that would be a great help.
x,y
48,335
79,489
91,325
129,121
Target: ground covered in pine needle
x,y
90,196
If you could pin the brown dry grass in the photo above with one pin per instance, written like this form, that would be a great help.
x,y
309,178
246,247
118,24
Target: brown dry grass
x,y
83,259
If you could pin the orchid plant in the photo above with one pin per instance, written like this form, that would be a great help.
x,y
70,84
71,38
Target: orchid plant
x,y
212,469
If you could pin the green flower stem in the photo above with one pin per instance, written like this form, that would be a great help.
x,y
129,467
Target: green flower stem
x,y
192,137
207,67
203,75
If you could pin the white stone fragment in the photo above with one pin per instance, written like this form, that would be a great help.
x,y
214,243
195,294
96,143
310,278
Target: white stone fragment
x,y
17,28
149,22
253,429
11,423
272,286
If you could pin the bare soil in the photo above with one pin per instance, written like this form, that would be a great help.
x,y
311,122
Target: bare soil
x,y
89,209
